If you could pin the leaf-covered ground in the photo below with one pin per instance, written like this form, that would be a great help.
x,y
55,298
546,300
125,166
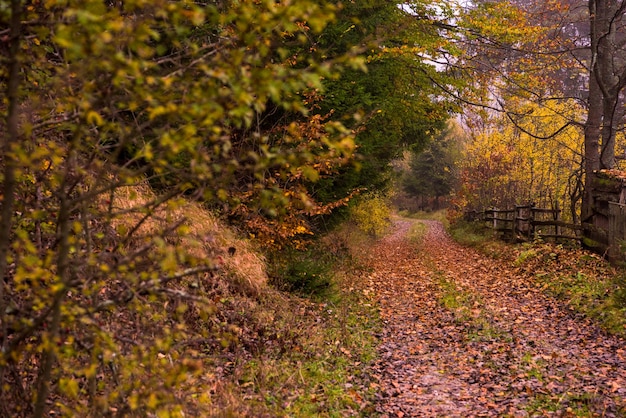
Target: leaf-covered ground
x,y
466,336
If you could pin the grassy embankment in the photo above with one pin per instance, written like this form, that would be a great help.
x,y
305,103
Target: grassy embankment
x,y
288,334
296,332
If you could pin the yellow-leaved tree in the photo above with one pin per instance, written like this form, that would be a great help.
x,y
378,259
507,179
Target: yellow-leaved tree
x,y
506,164
98,313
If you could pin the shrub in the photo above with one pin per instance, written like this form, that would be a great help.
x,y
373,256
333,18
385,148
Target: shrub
x,y
306,272
372,214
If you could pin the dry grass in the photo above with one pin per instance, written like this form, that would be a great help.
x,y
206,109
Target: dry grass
x,y
200,234
264,352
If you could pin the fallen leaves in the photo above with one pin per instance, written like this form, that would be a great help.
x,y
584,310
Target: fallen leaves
x,y
465,335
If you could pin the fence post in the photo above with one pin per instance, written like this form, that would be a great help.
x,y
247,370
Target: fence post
x,y
616,231
531,222
513,216
557,217
523,220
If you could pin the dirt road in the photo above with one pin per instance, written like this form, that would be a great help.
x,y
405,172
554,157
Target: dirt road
x,y
464,337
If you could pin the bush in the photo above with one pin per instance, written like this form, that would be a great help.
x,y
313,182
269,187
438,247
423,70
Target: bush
x,y
307,272
372,214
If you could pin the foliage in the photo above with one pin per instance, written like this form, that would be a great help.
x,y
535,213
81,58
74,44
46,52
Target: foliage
x,y
371,213
396,99
278,210
502,166
525,106
557,54
105,302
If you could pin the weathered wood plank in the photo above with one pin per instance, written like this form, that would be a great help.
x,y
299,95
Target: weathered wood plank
x,y
558,223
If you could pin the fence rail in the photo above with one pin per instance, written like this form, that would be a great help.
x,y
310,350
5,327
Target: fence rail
x,y
528,222
603,230
606,237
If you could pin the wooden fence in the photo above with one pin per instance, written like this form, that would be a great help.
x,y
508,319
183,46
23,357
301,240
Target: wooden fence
x,y
528,222
524,223
604,231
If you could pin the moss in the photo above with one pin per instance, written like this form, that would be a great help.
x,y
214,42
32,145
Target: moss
x,y
590,243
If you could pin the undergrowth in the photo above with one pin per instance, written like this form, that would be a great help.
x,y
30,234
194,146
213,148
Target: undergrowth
x,y
372,214
477,235
313,344
319,369
306,272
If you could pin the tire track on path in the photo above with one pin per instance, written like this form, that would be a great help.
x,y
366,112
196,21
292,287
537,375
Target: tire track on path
x,y
464,337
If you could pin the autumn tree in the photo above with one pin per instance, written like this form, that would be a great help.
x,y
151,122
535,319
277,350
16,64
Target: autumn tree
x,y
503,166
397,103
576,47
100,100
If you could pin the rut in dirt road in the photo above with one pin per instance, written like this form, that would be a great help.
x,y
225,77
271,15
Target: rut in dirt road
x,y
463,337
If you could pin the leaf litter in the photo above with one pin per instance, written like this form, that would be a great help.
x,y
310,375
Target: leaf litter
x,y
465,335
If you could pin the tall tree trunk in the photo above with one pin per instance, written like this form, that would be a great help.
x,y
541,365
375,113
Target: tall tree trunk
x,y
592,146
607,153
607,73
604,71
9,140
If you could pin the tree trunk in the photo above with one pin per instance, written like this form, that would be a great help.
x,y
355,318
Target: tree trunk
x,y
10,166
607,71
592,143
607,153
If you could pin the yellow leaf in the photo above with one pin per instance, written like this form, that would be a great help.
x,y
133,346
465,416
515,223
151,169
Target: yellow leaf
x,y
152,401
133,401
94,117
157,111
310,173
69,387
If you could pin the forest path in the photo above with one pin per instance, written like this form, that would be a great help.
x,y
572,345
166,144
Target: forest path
x,y
463,336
